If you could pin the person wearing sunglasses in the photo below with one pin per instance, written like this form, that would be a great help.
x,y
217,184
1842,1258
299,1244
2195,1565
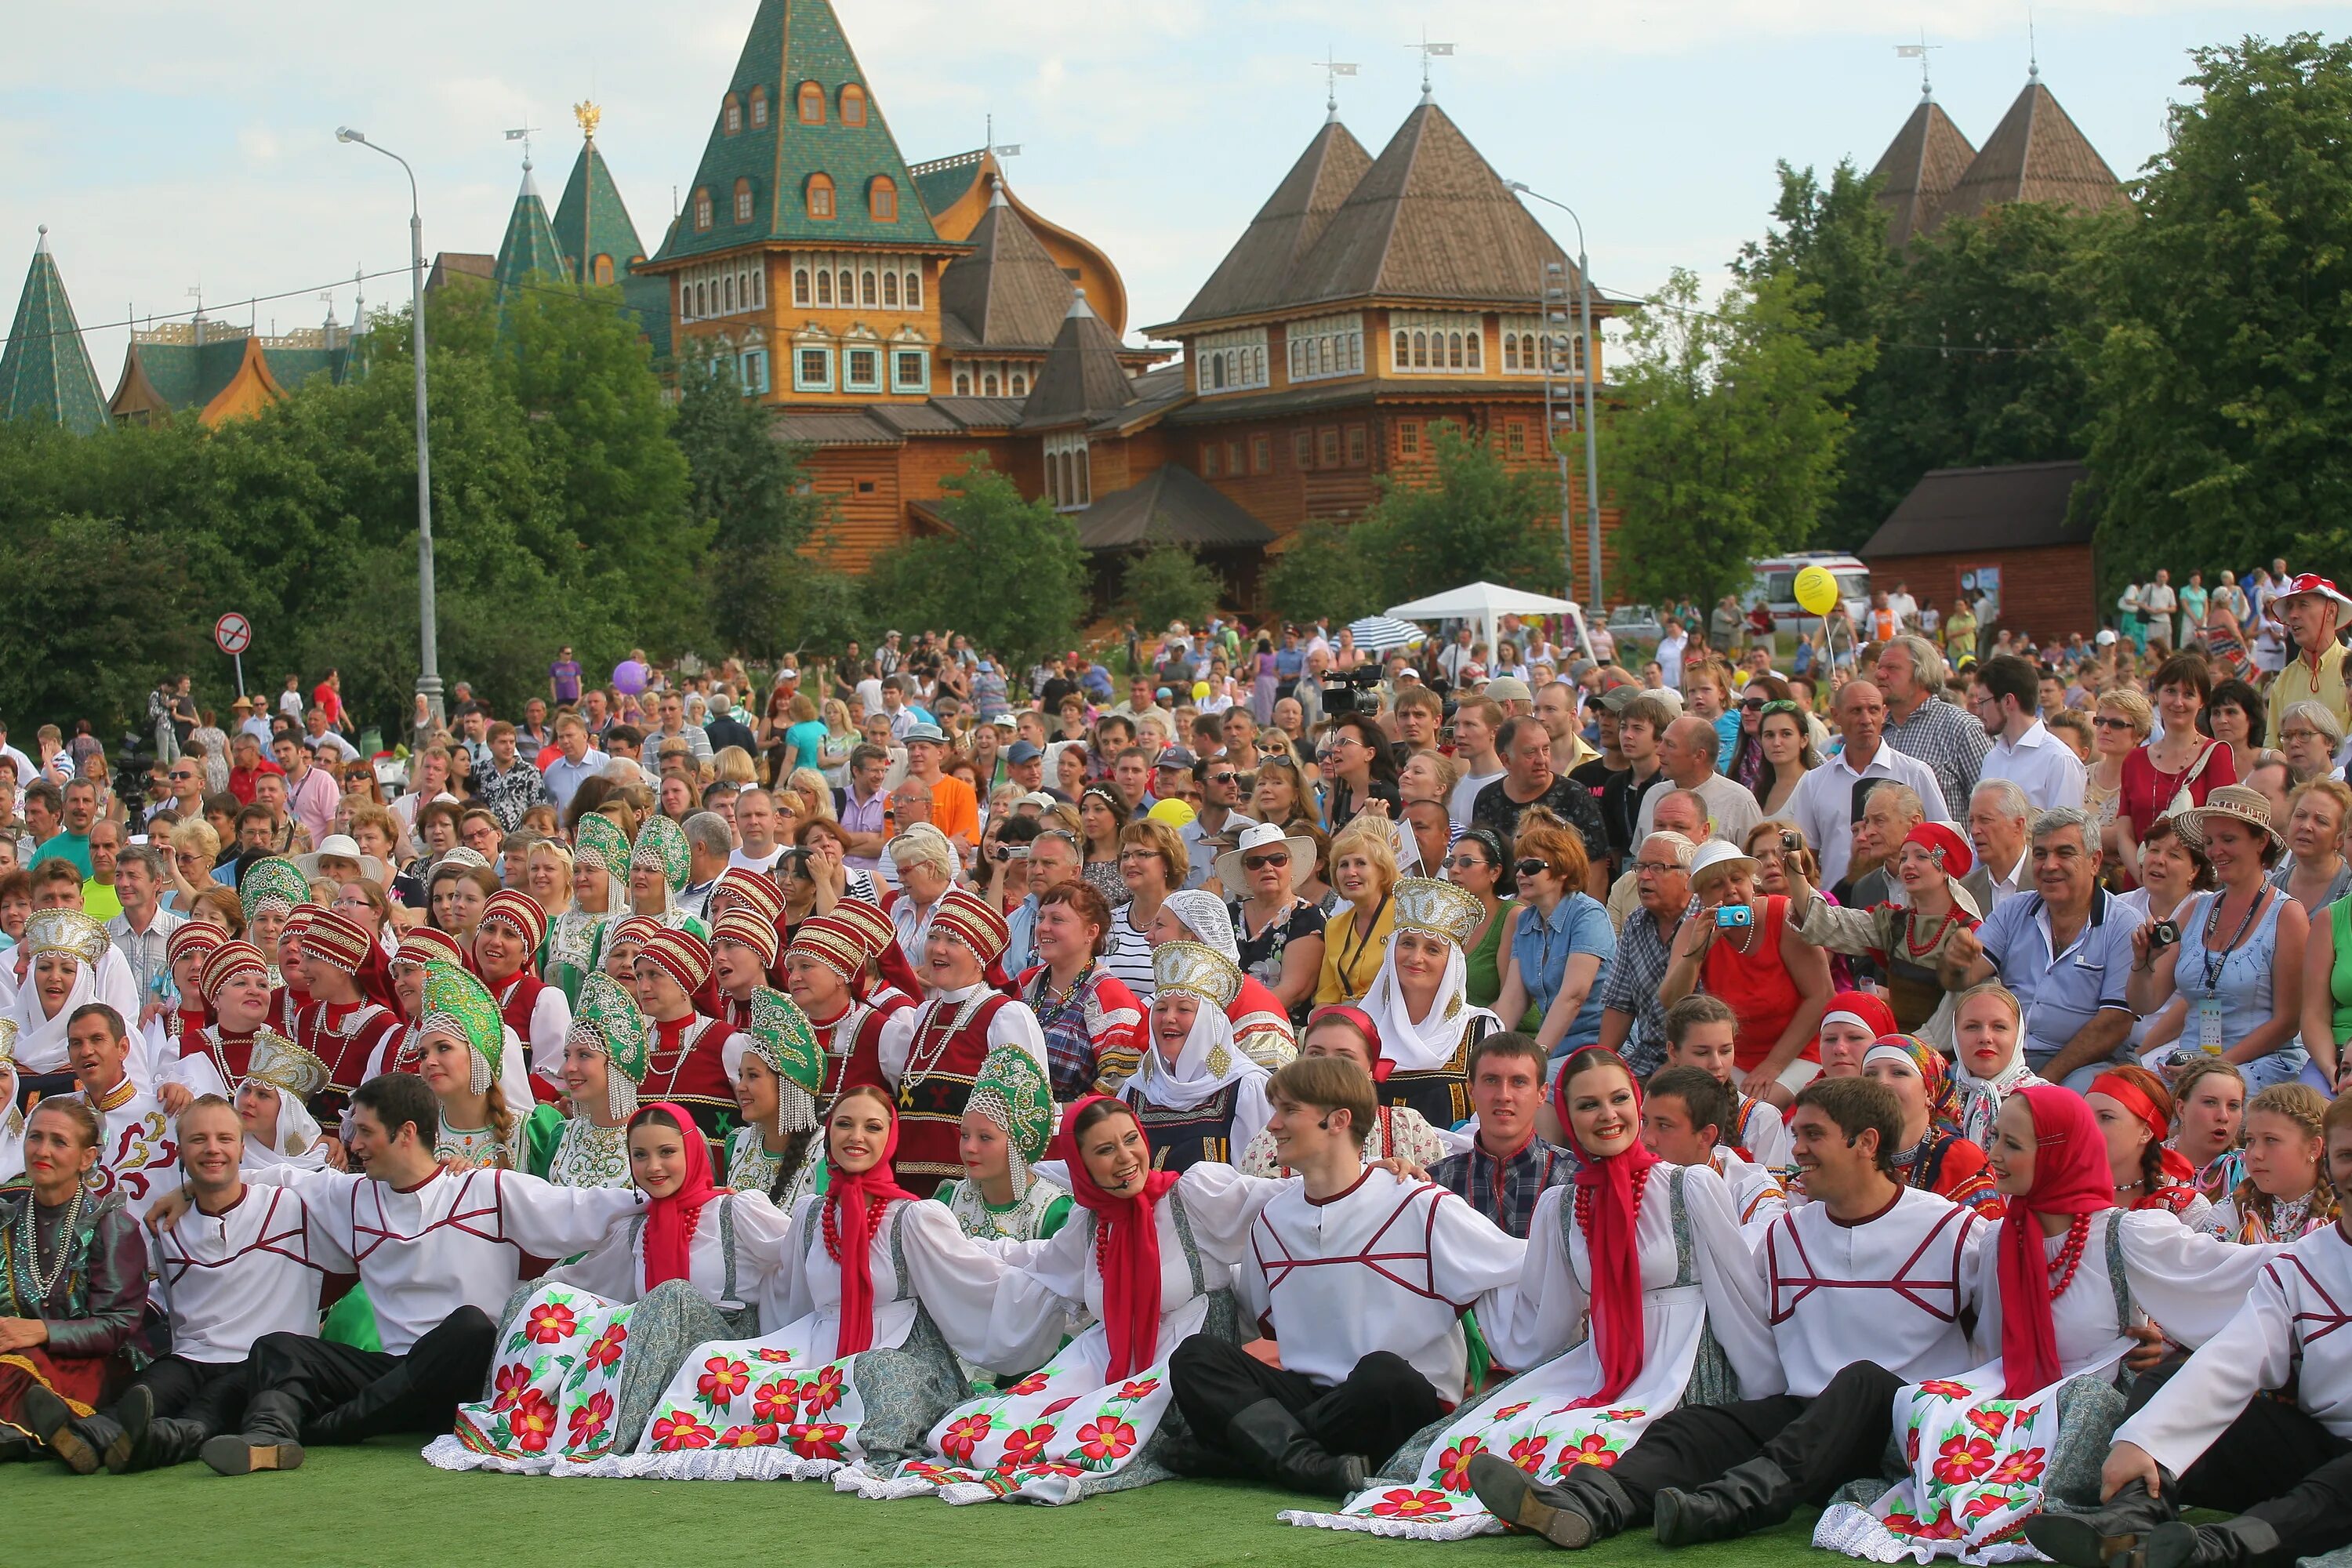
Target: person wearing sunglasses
x,y
1282,792
1476,864
1217,820
1559,943
1280,935
2120,721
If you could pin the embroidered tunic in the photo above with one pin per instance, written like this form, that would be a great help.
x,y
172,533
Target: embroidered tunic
x,y
588,1155
687,1066
139,1156
951,1038
1032,1216
1891,1288
254,1268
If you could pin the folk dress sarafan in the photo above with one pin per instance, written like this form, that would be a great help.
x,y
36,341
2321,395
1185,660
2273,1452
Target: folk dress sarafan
x,y
1705,1341
786,1406
1068,1430
1980,1463
585,1350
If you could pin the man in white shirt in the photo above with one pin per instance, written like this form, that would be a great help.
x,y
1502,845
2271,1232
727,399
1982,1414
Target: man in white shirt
x,y
1998,817
1905,608
2157,601
1670,655
143,928
1476,721
2005,691
755,827
1828,801
577,763
1686,755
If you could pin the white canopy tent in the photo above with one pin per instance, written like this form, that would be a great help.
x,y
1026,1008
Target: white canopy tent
x,y
1484,605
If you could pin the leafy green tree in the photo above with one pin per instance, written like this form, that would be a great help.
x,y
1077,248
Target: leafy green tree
x,y
1008,572
2222,376
1476,519
1724,445
90,617
1168,583
1319,573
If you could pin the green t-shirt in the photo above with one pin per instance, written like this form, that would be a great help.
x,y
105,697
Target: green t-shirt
x,y
73,846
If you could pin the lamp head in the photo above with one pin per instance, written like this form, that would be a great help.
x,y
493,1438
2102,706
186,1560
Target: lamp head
x,y
345,133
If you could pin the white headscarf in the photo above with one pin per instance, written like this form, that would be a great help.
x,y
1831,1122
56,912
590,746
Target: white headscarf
x,y
1196,1076
297,1143
41,1042
1981,1097
1203,914
1430,1044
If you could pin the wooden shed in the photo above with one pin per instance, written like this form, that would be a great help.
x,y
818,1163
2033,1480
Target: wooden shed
x,y
2012,524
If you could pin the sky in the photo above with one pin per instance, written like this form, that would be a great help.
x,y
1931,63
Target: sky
x,y
171,147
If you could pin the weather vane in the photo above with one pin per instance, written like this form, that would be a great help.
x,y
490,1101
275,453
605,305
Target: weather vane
x,y
590,116
523,134
1919,52
1429,51
1333,70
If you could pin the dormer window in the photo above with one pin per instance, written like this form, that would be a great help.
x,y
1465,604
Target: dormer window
x,y
853,105
820,196
733,115
742,201
883,199
758,108
812,104
701,210
601,269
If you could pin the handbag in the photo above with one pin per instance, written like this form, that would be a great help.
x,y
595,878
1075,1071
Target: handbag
x,y
2181,799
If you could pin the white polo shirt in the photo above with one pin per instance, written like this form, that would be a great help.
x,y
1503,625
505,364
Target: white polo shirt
x,y
1823,805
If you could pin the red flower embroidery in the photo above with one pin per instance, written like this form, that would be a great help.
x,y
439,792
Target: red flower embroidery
x,y
508,1385
682,1429
1987,1504
1528,1453
818,1440
1992,1423
1025,1447
606,1348
1940,1528
1945,1388
1139,1389
1406,1504
1453,1465
774,1358
589,1421
550,1321
2020,1468
777,1401
1911,1446
964,1437
533,1421
1594,1450
1107,1438
1033,1383
722,1379
823,1392
759,1434
1634,1415
1963,1459
1507,1411
1059,1405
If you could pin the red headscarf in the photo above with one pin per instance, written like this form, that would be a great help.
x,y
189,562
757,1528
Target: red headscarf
x,y
670,1221
1610,1187
2070,1177
1871,1012
2132,1097
853,1210
1127,1248
1361,1022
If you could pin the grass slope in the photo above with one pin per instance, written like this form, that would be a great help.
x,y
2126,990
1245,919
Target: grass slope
x,y
381,1507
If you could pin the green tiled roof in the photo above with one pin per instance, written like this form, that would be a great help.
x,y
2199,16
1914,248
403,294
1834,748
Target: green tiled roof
x,y
189,375
45,370
591,220
942,181
791,42
529,245
291,366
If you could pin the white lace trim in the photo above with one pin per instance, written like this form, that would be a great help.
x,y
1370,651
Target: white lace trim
x,y
1854,1531
1396,1529
706,1465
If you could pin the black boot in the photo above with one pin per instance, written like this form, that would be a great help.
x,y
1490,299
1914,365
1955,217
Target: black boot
x,y
78,1441
16,1451
2117,1531
1190,1458
1755,1496
1588,1506
132,1411
167,1442
268,1443
1268,1437
2241,1543
371,1414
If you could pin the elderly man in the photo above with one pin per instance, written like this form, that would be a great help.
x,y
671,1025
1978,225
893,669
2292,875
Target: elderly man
x,y
1633,1018
1828,801
2005,691
1679,810
910,804
1686,755
1527,780
1921,723
1998,815
1889,812
2064,949
2315,610
575,763
709,841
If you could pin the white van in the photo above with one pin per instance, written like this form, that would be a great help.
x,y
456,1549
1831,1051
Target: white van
x,y
1776,584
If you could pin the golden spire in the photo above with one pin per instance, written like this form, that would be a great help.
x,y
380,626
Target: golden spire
x,y
588,114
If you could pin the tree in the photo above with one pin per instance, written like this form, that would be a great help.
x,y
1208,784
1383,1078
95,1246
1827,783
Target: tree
x,y
2222,374
1319,573
90,617
1476,519
1167,583
1008,572
1725,443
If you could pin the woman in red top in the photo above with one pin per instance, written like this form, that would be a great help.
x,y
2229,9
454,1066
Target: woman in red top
x,y
2155,774
1777,983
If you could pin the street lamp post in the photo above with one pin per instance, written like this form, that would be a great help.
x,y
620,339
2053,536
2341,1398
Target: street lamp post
x,y
429,678
1592,365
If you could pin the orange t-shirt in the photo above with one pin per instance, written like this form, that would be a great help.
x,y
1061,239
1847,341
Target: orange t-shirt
x,y
955,809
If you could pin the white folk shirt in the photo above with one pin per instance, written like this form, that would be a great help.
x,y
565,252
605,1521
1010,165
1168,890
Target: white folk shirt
x,y
138,1157
551,1022
1014,1025
1388,1265
2293,1331
2041,764
1891,1289
1757,1195
616,1270
254,1268
457,1239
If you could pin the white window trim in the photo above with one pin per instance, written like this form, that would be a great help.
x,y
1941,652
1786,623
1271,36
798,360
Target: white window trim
x,y
802,383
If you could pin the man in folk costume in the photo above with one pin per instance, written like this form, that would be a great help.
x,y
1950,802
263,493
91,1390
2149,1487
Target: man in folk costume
x,y
1261,1024
342,1025
888,971
1420,1004
1362,1276
234,1271
438,1251
605,1050
1196,1095
742,951
1684,1111
138,1156
690,1046
176,1029
932,1067
777,1074
823,967
660,863
757,894
1870,1279
510,929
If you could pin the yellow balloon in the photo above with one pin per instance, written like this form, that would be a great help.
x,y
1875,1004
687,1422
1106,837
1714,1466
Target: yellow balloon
x,y
1817,591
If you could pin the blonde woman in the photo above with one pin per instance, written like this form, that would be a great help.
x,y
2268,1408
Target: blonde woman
x,y
196,848
1356,937
840,740
732,765
815,794
2123,721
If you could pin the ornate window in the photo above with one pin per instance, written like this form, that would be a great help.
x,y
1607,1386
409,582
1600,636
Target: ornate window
x,y
742,201
820,195
1325,346
1302,449
1069,479
812,104
884,198
824,287
702,210
988,384
853,104
848,287
800,285
910,369
890,290
914,290
732,116
1020,385
1229,361
866,293
861,369
755,371
1438,342
758,108
964,383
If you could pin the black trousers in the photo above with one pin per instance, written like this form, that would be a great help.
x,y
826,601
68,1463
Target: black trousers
x,y
348,1394
2276,1464
210,1394
1822,1443
1384,1401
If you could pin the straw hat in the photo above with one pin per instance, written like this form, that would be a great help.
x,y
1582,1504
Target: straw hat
x,y
1261,835
2241,802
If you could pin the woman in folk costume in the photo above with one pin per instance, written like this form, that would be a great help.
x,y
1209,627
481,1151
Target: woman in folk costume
x,y
2065,1277
953,1033
1417,1001
269,891
604,1052
272,1105
778,1068
583,1351
1149,1258
461,1041
419,946
1646,1256
73,1274
233,985
624,940
2285,1193
660,865
1934,1157
576,938
1007,1123
822,969
63,949
690,1046
2134,1110
1397,1132
1989,1057
293,993
344,1025
184,951
1092,1022
858,1367
510,933
1906,940
1261,1024
12,1119
1197,1096
1855,1021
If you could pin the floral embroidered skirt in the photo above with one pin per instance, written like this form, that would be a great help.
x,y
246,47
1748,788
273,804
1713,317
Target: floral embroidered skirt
x,y
1980,1466
1065,1432
575,1377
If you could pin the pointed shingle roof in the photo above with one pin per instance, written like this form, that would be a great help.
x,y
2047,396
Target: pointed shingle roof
x,y
1008,292
1919,169
791,42
1256,273
1082,377
2036,154
1171,505
45,376
529,245
590,220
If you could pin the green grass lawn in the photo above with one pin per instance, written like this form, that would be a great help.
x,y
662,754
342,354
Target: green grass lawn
x,y
381,1507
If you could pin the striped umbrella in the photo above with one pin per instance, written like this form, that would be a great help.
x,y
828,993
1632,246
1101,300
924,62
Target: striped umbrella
x,y
1378,634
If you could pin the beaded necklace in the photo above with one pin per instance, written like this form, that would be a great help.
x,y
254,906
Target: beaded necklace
x,y
2070,1256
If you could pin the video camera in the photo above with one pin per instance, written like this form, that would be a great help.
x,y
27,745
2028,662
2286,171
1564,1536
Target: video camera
x,y
1357,691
